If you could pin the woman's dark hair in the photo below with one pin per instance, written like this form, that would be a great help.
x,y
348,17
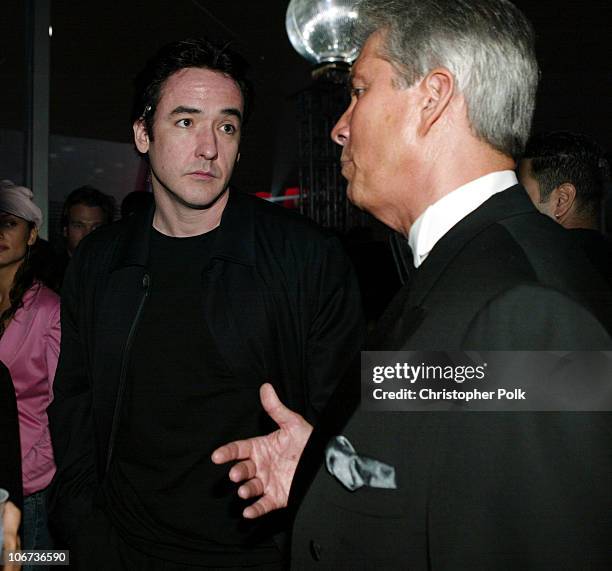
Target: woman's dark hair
x,y
194,52
25,277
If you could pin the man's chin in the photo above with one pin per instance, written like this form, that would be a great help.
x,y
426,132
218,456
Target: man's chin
x,y
197,201
353,196
358,199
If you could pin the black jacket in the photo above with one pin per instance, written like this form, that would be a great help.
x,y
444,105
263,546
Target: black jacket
x,y
476,490
279,296
10,449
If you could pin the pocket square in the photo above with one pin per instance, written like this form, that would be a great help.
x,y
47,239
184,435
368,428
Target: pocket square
x,y
354,471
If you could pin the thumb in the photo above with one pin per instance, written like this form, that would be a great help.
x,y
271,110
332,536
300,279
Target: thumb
x,y
12,517
278,412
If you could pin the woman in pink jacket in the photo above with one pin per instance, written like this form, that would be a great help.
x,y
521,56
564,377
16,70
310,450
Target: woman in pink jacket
x,y
29,347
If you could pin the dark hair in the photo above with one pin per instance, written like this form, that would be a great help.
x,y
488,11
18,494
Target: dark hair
x,y
193,52
22,282
92,197
561,156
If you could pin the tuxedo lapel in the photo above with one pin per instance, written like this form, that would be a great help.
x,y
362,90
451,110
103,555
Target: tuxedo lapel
x,y
503,205
399,321
408,308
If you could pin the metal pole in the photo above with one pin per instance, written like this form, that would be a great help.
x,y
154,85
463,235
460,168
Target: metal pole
x,y
38,21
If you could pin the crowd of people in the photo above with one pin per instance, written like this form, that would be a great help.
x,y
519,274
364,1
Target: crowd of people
x,y
208,326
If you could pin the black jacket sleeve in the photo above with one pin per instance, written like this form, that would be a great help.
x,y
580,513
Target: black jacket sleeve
x,y
337,329
70,420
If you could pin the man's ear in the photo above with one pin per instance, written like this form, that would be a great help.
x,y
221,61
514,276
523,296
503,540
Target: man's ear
x,y
439,87
564,197
141,136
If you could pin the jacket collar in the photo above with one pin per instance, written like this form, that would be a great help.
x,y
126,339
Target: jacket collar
x,y
234,242
507,204
30,295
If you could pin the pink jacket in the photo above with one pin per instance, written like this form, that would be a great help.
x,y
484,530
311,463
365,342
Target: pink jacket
x,y
30,348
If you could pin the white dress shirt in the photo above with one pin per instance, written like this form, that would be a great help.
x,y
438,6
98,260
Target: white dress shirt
x,y
442,215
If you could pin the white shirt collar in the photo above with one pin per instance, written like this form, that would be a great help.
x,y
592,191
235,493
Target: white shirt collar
x,y
442,215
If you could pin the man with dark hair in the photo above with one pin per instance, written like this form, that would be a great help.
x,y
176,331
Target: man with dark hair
x,y
443,93
565,175
84,210
171,320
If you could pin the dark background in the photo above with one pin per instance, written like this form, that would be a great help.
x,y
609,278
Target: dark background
x,y
97,47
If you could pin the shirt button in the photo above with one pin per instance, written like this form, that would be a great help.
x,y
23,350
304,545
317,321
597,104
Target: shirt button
x,y
315,550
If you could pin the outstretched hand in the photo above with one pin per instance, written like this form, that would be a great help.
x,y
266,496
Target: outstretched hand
x,y
267,463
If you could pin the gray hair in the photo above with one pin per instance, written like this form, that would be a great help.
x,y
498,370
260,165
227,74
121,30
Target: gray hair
x,y
488,46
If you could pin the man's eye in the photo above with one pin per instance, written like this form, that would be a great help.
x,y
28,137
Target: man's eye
x,y
228,128
6,224
184,123
357,92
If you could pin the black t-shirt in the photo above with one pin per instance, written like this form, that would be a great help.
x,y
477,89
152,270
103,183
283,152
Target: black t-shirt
x,y
163,493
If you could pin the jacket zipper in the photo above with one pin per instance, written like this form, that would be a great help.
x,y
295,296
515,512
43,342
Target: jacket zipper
x,y
146,284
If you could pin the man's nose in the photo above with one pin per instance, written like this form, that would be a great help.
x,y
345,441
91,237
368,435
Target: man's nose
x,y
340,132
207,144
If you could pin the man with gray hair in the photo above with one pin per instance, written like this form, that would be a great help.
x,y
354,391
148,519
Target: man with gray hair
x,y
442,98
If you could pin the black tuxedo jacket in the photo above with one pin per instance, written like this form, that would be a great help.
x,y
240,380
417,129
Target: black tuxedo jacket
x,y
475,490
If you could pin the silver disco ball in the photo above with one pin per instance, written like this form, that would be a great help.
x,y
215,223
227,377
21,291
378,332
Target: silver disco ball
x,y
320,30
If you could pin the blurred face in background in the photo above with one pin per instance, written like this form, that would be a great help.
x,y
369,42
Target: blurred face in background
x,y
82,220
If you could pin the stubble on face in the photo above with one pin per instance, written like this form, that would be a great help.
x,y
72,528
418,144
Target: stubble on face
x,y
196,140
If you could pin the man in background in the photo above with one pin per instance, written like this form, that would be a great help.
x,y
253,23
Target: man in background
x,y
565,175
84,210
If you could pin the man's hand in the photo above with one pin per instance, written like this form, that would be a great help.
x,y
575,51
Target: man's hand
x,y
11,520
268,463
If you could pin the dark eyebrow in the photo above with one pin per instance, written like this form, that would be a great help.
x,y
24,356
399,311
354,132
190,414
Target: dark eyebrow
x,y
181,109
234,112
